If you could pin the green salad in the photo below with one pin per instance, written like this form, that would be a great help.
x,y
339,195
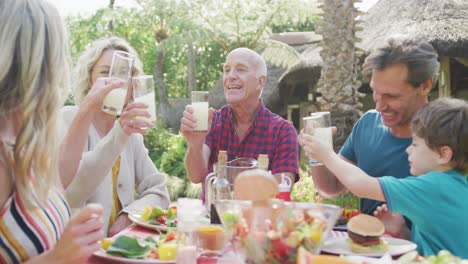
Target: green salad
x,y
444,257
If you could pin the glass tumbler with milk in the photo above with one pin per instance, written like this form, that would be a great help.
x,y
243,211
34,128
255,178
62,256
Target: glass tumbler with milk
x,y
200,110
143,91
121,68
318,124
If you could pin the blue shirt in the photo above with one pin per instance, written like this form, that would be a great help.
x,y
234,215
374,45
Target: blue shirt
x,y
376,151
437,205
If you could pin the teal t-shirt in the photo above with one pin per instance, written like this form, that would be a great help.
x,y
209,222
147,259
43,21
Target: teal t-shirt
x,y
437,205
376,151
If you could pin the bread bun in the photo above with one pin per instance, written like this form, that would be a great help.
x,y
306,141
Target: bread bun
x,y
366,225
255,185
374,249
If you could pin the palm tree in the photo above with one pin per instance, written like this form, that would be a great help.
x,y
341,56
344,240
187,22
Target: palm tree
x,y
340,76
110,24
171,27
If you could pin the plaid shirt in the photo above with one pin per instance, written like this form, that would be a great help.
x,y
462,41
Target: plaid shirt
x,y
269,134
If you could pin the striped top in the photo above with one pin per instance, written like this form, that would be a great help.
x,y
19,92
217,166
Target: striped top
x,y
26,233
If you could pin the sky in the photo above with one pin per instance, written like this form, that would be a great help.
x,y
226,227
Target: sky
x,y
86,7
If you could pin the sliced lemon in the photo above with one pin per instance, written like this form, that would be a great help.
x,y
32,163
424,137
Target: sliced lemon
x,y
106,242
167,251
315,235
146,213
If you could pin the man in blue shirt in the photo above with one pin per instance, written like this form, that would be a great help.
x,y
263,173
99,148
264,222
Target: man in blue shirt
x,y
404,71
434,200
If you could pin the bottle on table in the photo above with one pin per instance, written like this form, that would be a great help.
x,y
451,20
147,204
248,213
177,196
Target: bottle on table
x,y
284,188
221,186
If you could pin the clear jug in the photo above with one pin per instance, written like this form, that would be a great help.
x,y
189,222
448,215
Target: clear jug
x,y
233,168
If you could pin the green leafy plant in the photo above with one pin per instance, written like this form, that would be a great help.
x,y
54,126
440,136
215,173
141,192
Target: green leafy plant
x,y
304,189
344,200
167,151
156,141
172,160
176,187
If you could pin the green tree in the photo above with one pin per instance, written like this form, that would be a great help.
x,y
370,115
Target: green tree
x,y
143,29
249,24
340,76
174,34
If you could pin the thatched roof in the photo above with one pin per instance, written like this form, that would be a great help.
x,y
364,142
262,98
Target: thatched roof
x,y
444,23
309,68
275,92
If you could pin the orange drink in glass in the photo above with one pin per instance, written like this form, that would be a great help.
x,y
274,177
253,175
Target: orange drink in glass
x,y
211,237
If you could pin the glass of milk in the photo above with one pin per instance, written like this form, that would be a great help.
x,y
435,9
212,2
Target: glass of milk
x,y
143,91
318,124
200,110
121,67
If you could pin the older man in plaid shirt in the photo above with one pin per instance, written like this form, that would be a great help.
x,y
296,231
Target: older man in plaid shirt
x,y
244,127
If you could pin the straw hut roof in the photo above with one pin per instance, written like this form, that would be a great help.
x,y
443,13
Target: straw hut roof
x,y
444,23
276,91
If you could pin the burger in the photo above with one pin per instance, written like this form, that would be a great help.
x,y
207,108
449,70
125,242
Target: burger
x,y
365,233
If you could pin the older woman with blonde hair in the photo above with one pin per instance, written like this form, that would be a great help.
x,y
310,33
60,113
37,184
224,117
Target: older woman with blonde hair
x,y
35,224
104,159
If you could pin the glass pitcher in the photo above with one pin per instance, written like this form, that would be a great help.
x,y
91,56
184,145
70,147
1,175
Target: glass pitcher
x,y
233,168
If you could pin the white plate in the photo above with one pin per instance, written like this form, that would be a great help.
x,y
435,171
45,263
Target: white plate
x,y
340,246
135,217
104,255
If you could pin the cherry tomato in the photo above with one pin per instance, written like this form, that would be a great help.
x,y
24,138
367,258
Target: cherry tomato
x,y
170,236
161,219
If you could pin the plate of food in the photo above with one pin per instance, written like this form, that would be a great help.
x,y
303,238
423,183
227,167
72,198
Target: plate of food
x,y
156,218
149,250
365,239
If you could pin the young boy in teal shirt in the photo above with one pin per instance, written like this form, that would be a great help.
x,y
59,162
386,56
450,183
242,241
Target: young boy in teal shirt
x,y
435,201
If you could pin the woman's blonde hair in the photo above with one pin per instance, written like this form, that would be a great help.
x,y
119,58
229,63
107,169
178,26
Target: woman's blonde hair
x,y
87,61
34,69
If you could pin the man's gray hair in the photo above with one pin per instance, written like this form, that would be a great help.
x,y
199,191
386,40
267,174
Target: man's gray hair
x,y
418,55
256,59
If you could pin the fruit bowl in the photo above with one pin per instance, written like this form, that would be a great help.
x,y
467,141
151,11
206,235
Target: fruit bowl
x,y
273,231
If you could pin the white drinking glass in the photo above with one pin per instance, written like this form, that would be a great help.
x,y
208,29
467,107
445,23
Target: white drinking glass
x,y
121,68
318,124
200,110
143,91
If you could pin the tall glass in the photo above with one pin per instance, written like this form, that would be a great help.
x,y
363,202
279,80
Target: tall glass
x,y
143,91
189,213
121,68
318,124
200,108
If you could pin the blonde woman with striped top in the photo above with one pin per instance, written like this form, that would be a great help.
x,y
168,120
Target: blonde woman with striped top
x,y
35,224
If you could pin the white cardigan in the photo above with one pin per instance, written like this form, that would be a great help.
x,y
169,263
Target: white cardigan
x,y
93,181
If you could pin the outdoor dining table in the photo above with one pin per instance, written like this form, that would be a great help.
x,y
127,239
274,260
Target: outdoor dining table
x,y
138,231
